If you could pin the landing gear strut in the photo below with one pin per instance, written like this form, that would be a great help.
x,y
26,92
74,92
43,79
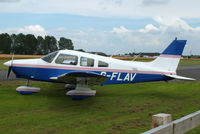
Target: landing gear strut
x,y
28,82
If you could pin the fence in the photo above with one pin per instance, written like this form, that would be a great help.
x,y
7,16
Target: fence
x,y
179,126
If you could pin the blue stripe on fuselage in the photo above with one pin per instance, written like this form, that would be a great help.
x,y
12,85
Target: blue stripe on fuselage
x,y
44,74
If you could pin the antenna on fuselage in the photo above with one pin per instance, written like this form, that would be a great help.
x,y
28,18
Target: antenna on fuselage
x,y
111,56
137,56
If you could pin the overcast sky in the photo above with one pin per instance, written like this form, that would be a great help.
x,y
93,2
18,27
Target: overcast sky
x,y
110,26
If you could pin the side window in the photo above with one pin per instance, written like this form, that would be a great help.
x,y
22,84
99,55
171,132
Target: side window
x,y
102,64
49,58
67,59
87,62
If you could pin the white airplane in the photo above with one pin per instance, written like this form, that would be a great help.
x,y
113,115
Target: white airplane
x,y
81,70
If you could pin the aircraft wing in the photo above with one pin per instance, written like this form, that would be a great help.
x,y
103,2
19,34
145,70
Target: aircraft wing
x,y
179,77
71,77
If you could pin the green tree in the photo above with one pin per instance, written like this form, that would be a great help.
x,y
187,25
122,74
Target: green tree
x,y
13,38
101,53
30,44
40,44
50,44
65,44
5,43
18,43
81,50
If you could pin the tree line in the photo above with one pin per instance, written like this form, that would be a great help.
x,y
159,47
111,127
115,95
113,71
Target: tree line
x,y
142,54
29,44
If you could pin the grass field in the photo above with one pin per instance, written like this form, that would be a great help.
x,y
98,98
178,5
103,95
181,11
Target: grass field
x,y
17,56
115,109
2,67
189,62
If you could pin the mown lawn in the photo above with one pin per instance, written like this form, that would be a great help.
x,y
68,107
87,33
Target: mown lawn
x,y
194,131
119,109
2,67
189,62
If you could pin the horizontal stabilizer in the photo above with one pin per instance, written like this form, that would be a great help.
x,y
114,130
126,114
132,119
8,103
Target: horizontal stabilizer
x,y
179,77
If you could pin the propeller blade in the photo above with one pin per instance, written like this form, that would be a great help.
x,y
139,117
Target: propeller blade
x,y
8,73
10,67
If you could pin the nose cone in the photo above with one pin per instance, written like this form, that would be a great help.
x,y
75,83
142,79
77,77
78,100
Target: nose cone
x,y
8,63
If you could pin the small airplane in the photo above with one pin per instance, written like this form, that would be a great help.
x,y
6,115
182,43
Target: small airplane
x,y
79,70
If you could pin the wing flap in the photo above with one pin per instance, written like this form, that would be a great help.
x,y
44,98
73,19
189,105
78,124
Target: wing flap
x,y
179,77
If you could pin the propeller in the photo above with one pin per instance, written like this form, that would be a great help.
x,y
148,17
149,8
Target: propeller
x,y
8,73
10,67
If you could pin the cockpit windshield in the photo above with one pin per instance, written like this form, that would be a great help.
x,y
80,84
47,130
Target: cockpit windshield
x,y
49,58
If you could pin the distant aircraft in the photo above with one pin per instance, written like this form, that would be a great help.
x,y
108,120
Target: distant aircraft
x,y
81,70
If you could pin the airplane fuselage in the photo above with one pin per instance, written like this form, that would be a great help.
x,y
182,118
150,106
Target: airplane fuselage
x,y
116,71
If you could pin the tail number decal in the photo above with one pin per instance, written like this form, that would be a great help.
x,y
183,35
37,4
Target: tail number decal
x,y
119,76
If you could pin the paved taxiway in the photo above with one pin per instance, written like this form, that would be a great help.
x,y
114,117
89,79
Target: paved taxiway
x,y
189,71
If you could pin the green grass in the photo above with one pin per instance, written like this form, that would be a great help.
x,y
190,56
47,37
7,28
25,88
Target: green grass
x,y
194,131
119,109
2,67
189,62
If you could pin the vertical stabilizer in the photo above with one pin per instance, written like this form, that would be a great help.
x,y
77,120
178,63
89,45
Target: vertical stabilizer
x,y
170,57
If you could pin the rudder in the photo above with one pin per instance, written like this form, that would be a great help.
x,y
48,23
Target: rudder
x,y
175,48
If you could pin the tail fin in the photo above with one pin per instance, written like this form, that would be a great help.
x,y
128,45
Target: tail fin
x,y
170,57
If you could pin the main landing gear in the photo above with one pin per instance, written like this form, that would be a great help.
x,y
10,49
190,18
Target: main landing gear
x,y
27,90
81,90
77,92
